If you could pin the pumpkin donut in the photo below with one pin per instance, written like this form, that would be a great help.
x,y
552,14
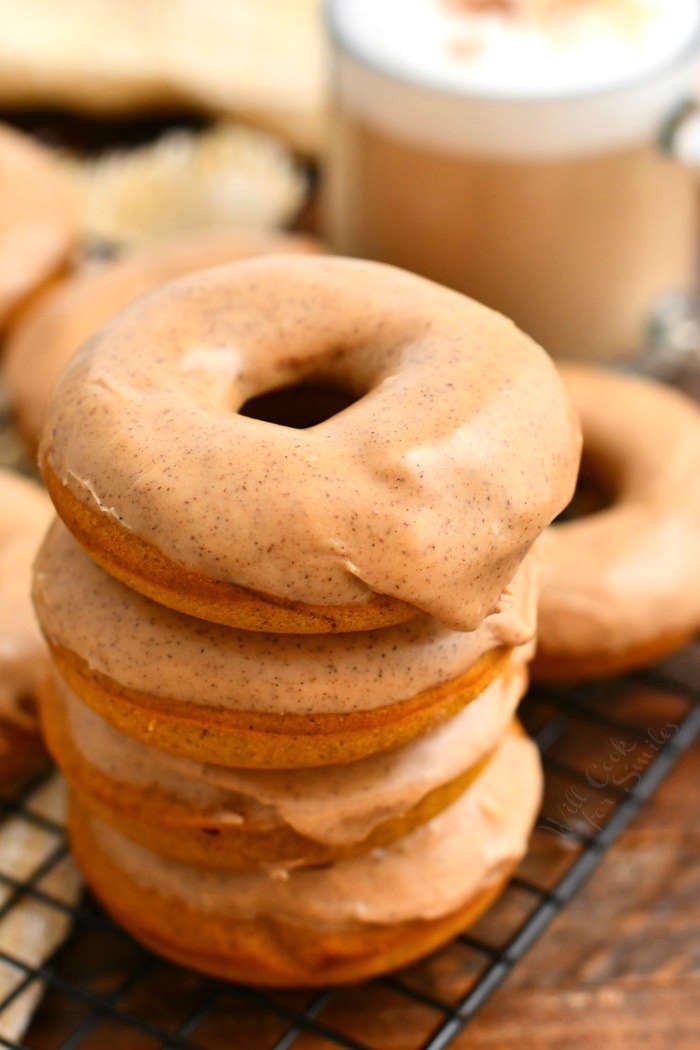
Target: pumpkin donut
x,y
38,219
24,518
343,922
48,333
425,493
621,586
235,819
248,699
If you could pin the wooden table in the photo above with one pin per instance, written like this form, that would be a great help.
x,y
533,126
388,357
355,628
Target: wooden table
x,y
619,969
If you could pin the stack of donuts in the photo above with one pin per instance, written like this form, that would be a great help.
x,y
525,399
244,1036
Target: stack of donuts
x,y
290,603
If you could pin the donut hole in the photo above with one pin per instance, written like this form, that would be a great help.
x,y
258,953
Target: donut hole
x,y
300,405
595,492
26,703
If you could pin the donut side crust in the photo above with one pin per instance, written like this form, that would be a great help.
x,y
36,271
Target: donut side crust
x,y
563,667
141,566
267,740
171,828
261,951
21,752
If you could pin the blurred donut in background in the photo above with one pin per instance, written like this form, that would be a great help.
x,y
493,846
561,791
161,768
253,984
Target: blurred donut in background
x,y
26,512
38,219
57,324
621,581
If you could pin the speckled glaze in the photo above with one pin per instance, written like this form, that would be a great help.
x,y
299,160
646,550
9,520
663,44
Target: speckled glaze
x,y
429,873
25,513
141,645
38,218
334,805
431,488
46,336
618,581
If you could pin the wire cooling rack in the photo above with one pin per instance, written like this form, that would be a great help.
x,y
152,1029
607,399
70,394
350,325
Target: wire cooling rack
x,y
605,747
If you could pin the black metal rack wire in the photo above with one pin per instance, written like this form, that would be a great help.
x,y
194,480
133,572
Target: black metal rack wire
x,y
606,747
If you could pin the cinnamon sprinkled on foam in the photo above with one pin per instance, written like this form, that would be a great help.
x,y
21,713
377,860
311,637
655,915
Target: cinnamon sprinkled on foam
x,y
624,14
518,48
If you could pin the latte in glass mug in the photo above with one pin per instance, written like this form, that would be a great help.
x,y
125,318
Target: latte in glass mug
x,y
510,149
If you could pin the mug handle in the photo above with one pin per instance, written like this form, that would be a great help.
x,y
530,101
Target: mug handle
x,y
679,136
673,345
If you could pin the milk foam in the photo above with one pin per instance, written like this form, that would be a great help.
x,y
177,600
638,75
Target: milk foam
x,y
581,47
508,83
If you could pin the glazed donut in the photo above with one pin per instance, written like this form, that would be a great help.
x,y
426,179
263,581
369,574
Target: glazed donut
x,y
47,335
424,494
621,586
328,925
253,700
26,513
205,814
38,219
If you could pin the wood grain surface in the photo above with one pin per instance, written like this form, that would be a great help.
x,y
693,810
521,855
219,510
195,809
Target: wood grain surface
x,y
620,967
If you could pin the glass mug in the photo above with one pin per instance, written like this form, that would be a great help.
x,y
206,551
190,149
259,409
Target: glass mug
x,y
536,182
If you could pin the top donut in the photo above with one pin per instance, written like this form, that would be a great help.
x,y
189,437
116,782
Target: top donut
x,y
454,447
